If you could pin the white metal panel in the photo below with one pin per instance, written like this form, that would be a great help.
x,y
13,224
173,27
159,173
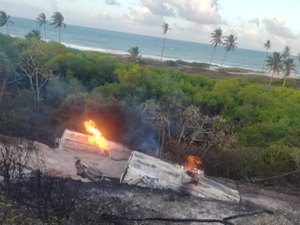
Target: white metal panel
x,y
147,171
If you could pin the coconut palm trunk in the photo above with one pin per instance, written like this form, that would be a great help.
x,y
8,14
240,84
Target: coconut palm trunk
x,y
59,33
45,36
263,67
271,80
7,29
224,58
163,48
284,81
211,59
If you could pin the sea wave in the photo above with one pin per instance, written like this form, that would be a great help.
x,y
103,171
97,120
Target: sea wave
x,y
116,52
87,48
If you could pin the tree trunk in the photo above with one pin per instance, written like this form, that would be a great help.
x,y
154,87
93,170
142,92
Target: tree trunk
x,y
45,32
284,81
181,134
206,150
271,78
263,67
32,89
163,48
212,56
224,58
37,90
7,29
194,137
59,34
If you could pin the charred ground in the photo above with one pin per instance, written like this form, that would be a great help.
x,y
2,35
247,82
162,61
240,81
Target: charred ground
x,y
65,201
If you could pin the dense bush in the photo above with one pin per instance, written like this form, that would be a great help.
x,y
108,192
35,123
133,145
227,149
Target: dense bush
x,y
253,164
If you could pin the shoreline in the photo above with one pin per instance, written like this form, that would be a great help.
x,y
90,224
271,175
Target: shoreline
x,y
185,65
191,66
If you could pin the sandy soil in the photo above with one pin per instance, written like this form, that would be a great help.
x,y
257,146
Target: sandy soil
x,y
63,161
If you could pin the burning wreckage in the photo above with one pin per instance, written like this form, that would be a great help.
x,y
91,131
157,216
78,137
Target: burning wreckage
x,y
97,158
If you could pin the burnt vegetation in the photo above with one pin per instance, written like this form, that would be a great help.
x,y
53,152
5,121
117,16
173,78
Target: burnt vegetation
x,y
35,194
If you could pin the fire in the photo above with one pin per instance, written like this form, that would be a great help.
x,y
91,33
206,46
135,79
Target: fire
x,y
193,162
96,137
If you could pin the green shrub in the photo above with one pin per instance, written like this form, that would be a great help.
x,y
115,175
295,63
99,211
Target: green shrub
x,y
255,163
261,134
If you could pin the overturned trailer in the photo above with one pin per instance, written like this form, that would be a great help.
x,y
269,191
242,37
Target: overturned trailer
x,y
147,171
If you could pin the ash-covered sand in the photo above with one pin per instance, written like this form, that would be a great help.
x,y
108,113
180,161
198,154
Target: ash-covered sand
x,y
108,201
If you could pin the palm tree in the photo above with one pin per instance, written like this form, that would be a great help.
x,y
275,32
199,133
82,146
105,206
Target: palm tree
x,y
286,52
5,20
42,22
216,39
267,46
33,34
288,67
57,20
165,28
274,63
230,44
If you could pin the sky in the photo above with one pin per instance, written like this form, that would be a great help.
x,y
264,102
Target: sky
x,y
252,21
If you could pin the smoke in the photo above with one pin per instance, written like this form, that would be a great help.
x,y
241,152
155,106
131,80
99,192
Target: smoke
x,y
109,117
141,133
117,123
143,138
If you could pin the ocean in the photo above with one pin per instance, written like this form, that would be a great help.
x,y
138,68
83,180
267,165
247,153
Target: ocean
x,y
85,38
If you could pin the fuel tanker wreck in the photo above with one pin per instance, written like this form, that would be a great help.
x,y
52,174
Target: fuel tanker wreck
x,y
95,158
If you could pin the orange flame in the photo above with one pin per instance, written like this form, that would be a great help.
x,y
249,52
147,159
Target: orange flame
x,y
96,137
193,162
